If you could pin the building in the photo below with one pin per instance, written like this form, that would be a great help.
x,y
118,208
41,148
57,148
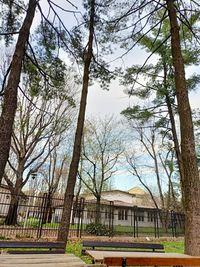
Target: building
x,y
123,208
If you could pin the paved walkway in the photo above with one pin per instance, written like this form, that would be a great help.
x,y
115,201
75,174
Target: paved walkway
x,y
40,260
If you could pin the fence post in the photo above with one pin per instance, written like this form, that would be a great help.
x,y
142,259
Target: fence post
x,y
157,226
157,216
110,217
82,205
173,224
135,222
42,212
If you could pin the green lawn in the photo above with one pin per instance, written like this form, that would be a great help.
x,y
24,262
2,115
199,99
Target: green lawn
x,y
177,247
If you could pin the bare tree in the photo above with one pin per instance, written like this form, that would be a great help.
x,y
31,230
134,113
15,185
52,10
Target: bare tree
x,y
102,147
52,172
157,159
38,130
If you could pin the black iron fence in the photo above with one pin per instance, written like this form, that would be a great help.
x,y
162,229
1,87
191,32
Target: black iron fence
x,y
27,216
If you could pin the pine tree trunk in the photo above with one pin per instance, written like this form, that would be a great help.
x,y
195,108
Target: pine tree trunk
x,y
73,170
191,185
10,96
174,134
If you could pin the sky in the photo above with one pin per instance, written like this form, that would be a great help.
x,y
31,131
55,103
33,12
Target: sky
x,y
101,102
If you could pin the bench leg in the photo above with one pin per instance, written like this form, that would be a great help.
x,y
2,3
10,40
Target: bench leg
x,y
124,262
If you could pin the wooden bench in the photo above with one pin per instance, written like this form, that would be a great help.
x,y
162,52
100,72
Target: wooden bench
x,y
19,247
121,246
182,260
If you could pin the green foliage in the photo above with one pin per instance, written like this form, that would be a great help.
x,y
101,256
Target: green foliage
x,y
33,222
136,112
4,237
98,229
174,246
10,16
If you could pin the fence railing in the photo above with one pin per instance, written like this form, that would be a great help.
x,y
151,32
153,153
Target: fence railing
x,y
28,216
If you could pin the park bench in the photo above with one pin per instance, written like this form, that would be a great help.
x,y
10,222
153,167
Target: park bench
x,y
19,247
122,246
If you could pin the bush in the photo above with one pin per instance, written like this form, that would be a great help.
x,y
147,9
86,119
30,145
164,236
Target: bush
x,y
33,222
98,229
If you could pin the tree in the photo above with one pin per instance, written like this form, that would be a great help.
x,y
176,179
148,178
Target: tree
x,y
52,174
41,64
152,159
159,85
40,126
191,175
93,68
10,93
73,170
102,147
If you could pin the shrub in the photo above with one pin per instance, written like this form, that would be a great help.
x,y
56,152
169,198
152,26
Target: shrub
x,y
98,229
33,222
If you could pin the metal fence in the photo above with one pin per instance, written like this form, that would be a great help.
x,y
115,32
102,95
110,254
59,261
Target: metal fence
x,y
27,216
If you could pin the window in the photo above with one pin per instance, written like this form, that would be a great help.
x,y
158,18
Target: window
x,y
140,216
122,214
150,217
90,214
108,214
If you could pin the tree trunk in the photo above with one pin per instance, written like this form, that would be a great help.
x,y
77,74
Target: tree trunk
x,y
174,133
191,185
48,212
98,210
73,170
176,145
10,96
11,218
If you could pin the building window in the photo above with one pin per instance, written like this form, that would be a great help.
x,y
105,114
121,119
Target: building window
x,y
140,216
122,214
90,214
108,214
150,217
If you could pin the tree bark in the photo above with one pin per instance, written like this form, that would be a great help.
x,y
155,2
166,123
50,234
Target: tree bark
x,y
10,96
11,218
98,210
73,170
174,134
191,185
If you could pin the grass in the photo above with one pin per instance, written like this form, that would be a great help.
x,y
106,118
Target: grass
x,y
143,230
75,248
175,246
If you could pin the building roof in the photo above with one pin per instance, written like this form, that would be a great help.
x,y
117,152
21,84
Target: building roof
x,y
137,191
108,192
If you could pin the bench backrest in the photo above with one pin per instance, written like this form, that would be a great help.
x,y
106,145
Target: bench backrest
x,y
124,245
58,246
